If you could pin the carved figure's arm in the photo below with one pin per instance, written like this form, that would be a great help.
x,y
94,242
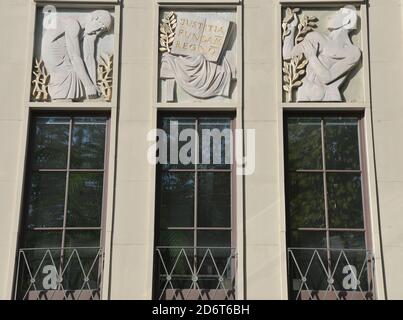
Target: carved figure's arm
x,y
72,32
337,70
290,49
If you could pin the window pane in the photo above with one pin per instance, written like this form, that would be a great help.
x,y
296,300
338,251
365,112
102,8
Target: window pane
x,y
304,143
84,206
213,238
345,200
215,143
347,240
88,143
307,239
342,144
82,239
308,265
214,199
306,200
174,127
177,199
176,238
50,142
351,263
212,263
79,262
43,239
46,207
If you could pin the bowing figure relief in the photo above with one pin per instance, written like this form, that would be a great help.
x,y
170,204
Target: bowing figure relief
x,y
68,52
331,56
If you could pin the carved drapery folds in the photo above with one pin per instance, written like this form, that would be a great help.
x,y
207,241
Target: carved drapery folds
x,y
73,55
319,55
197,56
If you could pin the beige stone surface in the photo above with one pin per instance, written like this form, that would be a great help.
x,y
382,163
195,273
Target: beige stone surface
x,y
133,208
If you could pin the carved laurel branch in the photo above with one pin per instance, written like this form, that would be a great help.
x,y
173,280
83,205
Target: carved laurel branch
x,y
167,31
289,15
40,82
105,76
294,69
306,25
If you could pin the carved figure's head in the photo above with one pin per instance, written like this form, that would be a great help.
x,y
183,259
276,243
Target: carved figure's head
x,y
99,21
345,18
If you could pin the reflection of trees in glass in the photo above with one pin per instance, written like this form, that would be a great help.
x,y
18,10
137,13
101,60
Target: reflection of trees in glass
x,y
341,143
305,190
50,142
304,143
84,206
194,197
345,200
47,183
312,215
306,203
88,144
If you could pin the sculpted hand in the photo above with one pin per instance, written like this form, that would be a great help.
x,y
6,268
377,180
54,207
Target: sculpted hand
x,y
92,92
294,22
309,50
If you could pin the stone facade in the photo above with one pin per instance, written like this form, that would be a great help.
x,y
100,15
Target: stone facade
x,y
258,100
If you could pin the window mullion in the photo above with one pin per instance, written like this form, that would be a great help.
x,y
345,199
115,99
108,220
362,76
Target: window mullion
x,y
66,195
325,195
195,197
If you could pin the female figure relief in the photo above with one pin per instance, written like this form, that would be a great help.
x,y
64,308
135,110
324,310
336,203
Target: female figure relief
x,y
331,57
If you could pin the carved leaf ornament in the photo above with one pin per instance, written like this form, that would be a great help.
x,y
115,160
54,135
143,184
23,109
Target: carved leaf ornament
x,y
294,69
40,82
167,31
105,76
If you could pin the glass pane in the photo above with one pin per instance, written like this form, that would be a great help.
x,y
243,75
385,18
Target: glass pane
x,y
307,268
181,154
88,143
306,207
176,238
82,259
215,143
80,264
42,239
214,199
177,199
40,265
213,238
82,239
84,206
46,206
50,142
342,145
307,239
345,200
351,263
175,264
213,263
347,240
304,143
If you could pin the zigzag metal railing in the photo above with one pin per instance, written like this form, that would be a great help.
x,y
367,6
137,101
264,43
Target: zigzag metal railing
x,y
59,274
195,273
331,274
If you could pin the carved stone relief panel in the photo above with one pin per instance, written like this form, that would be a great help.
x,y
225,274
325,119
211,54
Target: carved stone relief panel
x,y
73,55
197,56
322,54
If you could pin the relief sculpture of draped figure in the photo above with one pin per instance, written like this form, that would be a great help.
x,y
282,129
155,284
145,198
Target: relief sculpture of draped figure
x,y
75,68
195,56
